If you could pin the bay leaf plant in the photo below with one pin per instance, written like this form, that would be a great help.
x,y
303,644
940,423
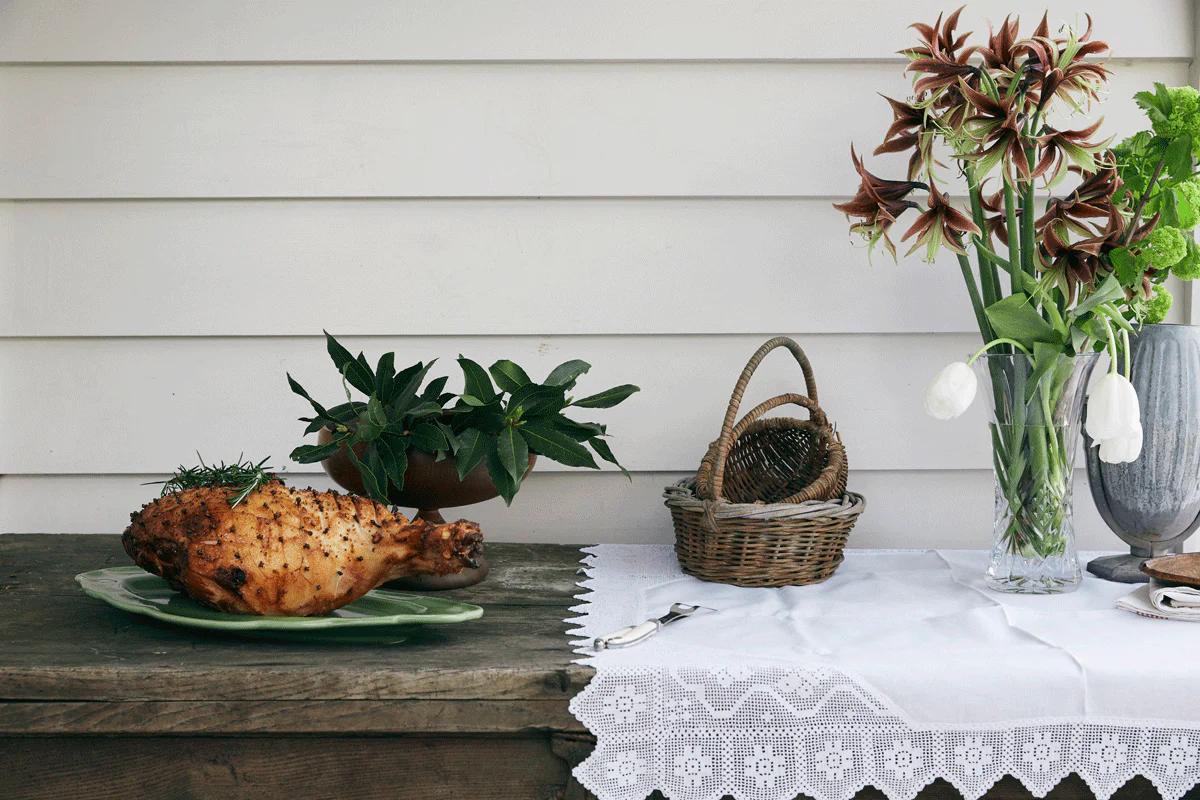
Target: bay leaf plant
x,y
501,417
1062,241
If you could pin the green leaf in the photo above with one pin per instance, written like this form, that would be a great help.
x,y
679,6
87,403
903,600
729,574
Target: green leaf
x,y
368,431
1109,289
566,373
505,483
579,431
605,452
370,480
1045,356
477,382
448,433
473,401
434,390
353,370
298,389
385,376
428,438
375,413
1126,270
312,453
426,408
538,400
394,455
347,412
608,398
473,445
1015,318
409,381
513,452
1179,157
543,438
508,376
488,418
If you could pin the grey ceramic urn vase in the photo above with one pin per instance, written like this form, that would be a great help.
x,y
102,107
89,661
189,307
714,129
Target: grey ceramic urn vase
x,y
1153,503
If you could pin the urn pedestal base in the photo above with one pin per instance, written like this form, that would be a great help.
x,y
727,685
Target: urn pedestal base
x,y
1125,568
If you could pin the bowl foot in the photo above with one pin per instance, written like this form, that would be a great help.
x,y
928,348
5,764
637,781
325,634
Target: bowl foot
x,y
438,583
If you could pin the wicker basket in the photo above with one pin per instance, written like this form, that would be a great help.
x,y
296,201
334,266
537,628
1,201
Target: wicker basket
x,y
768,506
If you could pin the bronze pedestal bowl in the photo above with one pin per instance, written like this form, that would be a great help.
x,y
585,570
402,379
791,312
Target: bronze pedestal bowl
x,y
429,486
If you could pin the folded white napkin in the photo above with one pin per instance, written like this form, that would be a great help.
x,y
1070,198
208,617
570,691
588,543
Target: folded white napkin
x,y
1163,602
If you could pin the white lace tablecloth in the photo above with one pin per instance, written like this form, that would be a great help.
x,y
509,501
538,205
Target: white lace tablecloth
x,y
900,669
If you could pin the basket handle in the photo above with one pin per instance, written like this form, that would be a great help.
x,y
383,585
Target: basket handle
x,y
815,412
716,470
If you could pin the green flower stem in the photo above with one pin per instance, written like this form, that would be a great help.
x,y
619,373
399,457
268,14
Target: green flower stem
x,y
989,279
1014,247
1125,348
973,292
1145,198
1028,247
993,343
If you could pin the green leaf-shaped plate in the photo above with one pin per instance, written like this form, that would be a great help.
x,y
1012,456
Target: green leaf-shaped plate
x,y
371,618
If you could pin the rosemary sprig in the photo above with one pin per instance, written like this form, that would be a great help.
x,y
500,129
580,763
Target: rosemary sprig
x,y
244,476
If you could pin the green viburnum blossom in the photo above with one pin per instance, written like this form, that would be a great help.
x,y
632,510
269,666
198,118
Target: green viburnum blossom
x,y
1189,190
1184,117
1188,268
1158,306
1187,203
1163,248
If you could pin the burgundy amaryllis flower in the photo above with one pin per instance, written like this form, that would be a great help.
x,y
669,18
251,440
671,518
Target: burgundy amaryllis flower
x,y
1091,200
1061,66
1073,263
940,224
1081,262
995,225
1001,52
940,59
909,131
1059,148
877,204
997,126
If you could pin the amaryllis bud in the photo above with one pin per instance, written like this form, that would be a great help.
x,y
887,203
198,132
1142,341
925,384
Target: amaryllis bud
x,y
1122,449
952,391
1112,409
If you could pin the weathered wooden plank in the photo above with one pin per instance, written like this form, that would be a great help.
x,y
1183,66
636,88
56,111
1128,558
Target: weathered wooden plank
x,y
365,717
298,768
61,645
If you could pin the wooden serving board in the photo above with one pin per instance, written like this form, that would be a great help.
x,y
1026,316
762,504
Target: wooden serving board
x,y
1183,568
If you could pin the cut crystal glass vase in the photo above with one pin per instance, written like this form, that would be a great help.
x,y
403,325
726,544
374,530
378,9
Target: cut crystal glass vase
x,y
1036,407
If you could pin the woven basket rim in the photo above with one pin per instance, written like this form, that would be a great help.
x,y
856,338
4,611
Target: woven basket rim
x,y
682,495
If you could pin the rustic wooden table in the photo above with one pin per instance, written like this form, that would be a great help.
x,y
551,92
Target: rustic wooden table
x,y
96,703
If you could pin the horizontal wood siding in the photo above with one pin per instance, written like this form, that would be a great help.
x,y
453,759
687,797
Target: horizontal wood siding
x,y
459,130
190,192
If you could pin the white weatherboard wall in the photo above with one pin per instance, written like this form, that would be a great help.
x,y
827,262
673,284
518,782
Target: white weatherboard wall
x,y
190,192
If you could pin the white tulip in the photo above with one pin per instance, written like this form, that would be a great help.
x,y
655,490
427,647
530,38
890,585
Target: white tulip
x,y
1113,410
952,391
1122,449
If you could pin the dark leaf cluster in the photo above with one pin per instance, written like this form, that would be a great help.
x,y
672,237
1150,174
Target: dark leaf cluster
x,y
501,418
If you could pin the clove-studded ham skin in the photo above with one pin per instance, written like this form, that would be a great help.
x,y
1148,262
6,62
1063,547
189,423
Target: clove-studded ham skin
x,y
286,551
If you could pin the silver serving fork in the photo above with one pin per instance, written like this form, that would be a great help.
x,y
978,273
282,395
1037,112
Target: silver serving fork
x,y
635,634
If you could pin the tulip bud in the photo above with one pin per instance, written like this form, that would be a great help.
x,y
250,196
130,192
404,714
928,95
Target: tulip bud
x,y
1112,410
952,391
1122,449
